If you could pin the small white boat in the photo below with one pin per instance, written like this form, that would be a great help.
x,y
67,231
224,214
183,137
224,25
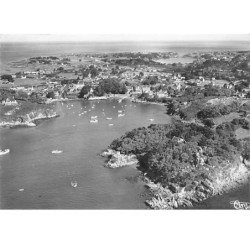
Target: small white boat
x,y
21,190
94,117
56,151
111,124
93,121
74,184
120,100
4,152
151,119
114,107
73,125
119,111
109,118
120,115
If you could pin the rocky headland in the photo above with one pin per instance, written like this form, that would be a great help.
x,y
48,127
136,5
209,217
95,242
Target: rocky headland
x,y
174,196
25,114
116,159
28,121
183,164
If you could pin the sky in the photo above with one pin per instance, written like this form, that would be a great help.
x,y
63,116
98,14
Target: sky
x,y
124,20
121,37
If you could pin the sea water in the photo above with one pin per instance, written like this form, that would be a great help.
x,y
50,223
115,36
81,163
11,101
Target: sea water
x,y
45,178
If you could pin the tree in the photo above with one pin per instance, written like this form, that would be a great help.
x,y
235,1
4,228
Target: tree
x,y
141,74
60,69
150,80
93,71
65,81
51,95
111,85
99,91
7,77
84,91
144,96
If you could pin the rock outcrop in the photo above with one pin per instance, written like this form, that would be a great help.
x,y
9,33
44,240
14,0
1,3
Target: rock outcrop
x,y
30,120
116,159
174,196
247,163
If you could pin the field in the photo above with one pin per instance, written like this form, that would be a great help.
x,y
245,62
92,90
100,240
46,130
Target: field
x,y
28,81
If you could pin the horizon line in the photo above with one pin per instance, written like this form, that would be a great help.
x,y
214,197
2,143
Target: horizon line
x,y
123,37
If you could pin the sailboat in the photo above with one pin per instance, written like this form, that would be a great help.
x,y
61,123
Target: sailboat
x,y
93,120
4,152
56,151
74,184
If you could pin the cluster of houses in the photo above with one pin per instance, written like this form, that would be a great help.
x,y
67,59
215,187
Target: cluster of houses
x,y
67,81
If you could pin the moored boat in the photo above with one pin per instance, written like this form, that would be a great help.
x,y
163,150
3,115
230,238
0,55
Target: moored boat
x,y
56,151
93,121
4,152
74,184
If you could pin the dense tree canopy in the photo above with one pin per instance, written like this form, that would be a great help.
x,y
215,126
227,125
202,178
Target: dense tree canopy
x,y
150,80
110,86
181,153
51,95
91,70
84,91
7,77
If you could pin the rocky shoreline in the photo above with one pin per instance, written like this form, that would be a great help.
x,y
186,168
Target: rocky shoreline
x,y
146,102
174,196
116,159
118,97
31,120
